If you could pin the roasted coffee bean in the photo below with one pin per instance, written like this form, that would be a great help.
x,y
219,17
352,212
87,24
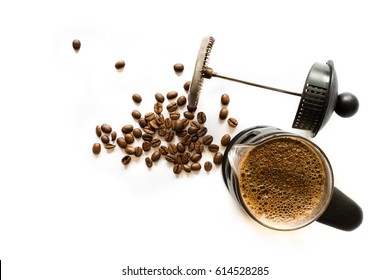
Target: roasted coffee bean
x,y
223,113
186,140
186,86
96,148
199,147
159,118
195,124
225,99
207,139
159,97
192,130
153,124
121,142
172,148
120,64
179,158
196,166
185,123
186,157
177,168
201,132
174,116
106,128
178,67
113,135
168,123
98,131
170,135
137,132
217,159
196,157
201,117
180,147
158,108
172,94
214,148
76,44
191,108
194,138
126,160
225,140
142,122
172,107
189,115
181,134
178,126
163,150
187,168
149,130
155,156
191,146
148,162
181,101
130,150
105,139
170,158
162,131
129,138
136,98
138,151
155,143
208,166
149,116
109,146
146,146
232,122
136,114
127,128
147,137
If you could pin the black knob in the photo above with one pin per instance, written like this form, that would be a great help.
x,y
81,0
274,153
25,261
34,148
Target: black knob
x,y
347,105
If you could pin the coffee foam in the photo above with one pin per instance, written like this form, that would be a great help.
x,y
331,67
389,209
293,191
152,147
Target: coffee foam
x,y
282,180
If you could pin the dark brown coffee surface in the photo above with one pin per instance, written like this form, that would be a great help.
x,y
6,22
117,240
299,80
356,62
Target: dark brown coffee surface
x,y
282,180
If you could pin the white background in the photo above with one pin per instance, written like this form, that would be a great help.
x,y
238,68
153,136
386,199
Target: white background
x,y
66,214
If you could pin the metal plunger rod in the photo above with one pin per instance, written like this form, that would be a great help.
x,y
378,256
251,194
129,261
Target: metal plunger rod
x,y
208,73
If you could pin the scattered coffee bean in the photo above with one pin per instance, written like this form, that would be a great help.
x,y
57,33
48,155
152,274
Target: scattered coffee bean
x,y
142,122
232,122
201,117
207,139
147,137
96,148
177,168
191,147
217,159
130,150
174,116
169,136
189,115
158,108
192,130
196,166
154,125
225,99
126,160
76,44
186,86
208,166
137,98
149,116
172,107
170,158
159,97
137,133
223,113
168,123
121,142
105,139
213,148
191,108
187,168
225,140
181,148
163,150
186,140
120,64
98,131
181,101
149,162
172,94
146,146
106,128
195,157
138,151
201,132
113,135
172,148
129,138
127,128
136,114
178,126
109,146
155,143
162,131
199,147
178,67
155,156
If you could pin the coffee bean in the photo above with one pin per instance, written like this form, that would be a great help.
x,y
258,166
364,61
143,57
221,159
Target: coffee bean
x,y
178,67
127,128
96,148
189,115
137,133
155,143
105,139
213,148
186,86
196,157
182,134
181,101
129,138
177,168
208,166
186,139
232,122
169,136
149,116
136,114
149,162
130,150
199,147
113,135
163,150
172,94
192,130
217,159
223,113
191,147
187,168
172,148
158,108
172,107
155,156
178,126
225,99
201,117
180,147
195,124
76,44
162,131
120,64
225,140
106,128
191,108
207,139
196,166
168,123
137,98
185,123
186,157
138,151
109,146
159,118
154,125
98,131
159,97
142,122
149,130
174,116
147,137
121,142
194,138
126,160
170,158
201,132
146,146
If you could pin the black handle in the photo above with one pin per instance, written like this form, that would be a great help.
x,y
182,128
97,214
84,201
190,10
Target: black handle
x,y
342,213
